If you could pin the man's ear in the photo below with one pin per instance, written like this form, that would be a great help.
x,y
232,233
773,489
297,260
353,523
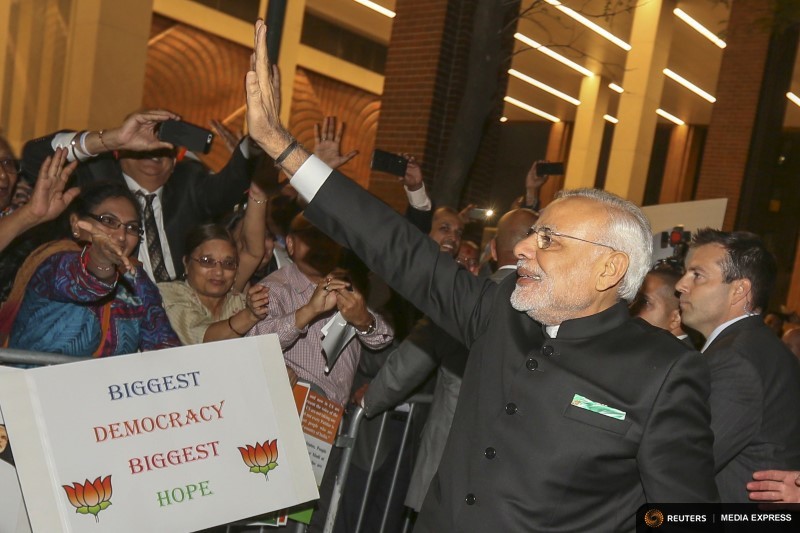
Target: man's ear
x,y
290,245
741,289
493,248
612,271
674,319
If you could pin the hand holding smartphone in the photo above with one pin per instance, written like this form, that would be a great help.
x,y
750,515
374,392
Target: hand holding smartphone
x,y
191,137
550,169
388,162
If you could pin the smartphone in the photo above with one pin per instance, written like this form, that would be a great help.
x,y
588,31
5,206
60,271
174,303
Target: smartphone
x,y
388,162
550,169
179,133
480,214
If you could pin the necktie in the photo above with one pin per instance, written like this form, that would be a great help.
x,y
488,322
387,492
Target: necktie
x,y
154,250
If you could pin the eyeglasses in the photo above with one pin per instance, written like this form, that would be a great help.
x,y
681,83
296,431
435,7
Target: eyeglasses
x,y
209,262
11,166
112,222
544,238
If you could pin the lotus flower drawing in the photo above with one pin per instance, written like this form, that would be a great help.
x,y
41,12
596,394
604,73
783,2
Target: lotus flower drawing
x,y
90,497
261,458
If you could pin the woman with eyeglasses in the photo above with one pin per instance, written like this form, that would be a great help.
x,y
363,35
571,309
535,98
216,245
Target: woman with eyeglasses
x,y
211,303
87,295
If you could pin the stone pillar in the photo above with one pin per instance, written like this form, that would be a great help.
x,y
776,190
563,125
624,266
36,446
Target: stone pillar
x,y
729,151
651,36
412,105
75,63
104,62
682,156
587,138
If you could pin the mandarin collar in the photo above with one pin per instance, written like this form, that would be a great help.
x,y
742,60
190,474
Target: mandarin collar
x,y
597,324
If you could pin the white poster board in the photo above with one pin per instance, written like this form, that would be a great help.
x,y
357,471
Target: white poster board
x,y
13,517
171,440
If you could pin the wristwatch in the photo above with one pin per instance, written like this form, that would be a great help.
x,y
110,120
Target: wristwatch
x,y
370,329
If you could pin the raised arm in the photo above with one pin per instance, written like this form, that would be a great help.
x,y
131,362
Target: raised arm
x,y
254,231
47,201
398,252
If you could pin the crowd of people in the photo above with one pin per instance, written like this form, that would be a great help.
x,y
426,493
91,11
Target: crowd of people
x,y
566,369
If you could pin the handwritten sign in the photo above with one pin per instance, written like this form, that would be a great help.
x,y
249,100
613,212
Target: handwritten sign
x,y
179,439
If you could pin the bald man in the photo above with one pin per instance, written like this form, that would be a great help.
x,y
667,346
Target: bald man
x,y
658,303
511,228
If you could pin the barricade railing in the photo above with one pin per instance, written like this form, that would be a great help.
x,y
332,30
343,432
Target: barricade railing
x,y
347,441
12,356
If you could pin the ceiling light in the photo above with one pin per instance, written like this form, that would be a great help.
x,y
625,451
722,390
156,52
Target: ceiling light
x,y
531,109
536,83
793,98
616,88
671,118
689,85
503,119
611,119
558,57
377,7
589,24
702,30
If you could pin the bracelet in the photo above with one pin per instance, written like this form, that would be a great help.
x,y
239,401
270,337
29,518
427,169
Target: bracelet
x,y
371,328
256,200
85,262
72,145
100,134
285,153
230,325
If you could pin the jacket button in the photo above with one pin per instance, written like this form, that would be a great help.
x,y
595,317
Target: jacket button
x,y
548,350
490,452
470,499
531,364
511,408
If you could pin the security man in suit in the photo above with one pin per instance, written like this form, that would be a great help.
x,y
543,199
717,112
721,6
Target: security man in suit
x,y
175,195
755,379
572,414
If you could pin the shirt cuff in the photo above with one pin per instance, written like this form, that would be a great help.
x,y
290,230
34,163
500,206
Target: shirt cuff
x,y
419,199
309,177
63,140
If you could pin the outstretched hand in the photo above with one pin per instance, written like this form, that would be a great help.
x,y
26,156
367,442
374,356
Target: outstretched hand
x,y
262,85
412,180
104,249
138,132
327,143
534,180
49,199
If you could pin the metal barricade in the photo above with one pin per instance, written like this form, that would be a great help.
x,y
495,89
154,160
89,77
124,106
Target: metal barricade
x,y
347,441
11,356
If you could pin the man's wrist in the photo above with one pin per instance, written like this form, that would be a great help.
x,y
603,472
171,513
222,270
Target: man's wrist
x,y
367,326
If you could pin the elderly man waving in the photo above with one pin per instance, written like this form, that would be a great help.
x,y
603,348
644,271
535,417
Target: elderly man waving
x,y
571,414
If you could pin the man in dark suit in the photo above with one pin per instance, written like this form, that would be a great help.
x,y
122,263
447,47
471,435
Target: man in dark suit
x,y
755,380
179,194
572,414
657,301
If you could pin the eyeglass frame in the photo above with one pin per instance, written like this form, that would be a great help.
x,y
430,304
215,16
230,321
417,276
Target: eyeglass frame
x,y
210,262
17,166
533,230
118,223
